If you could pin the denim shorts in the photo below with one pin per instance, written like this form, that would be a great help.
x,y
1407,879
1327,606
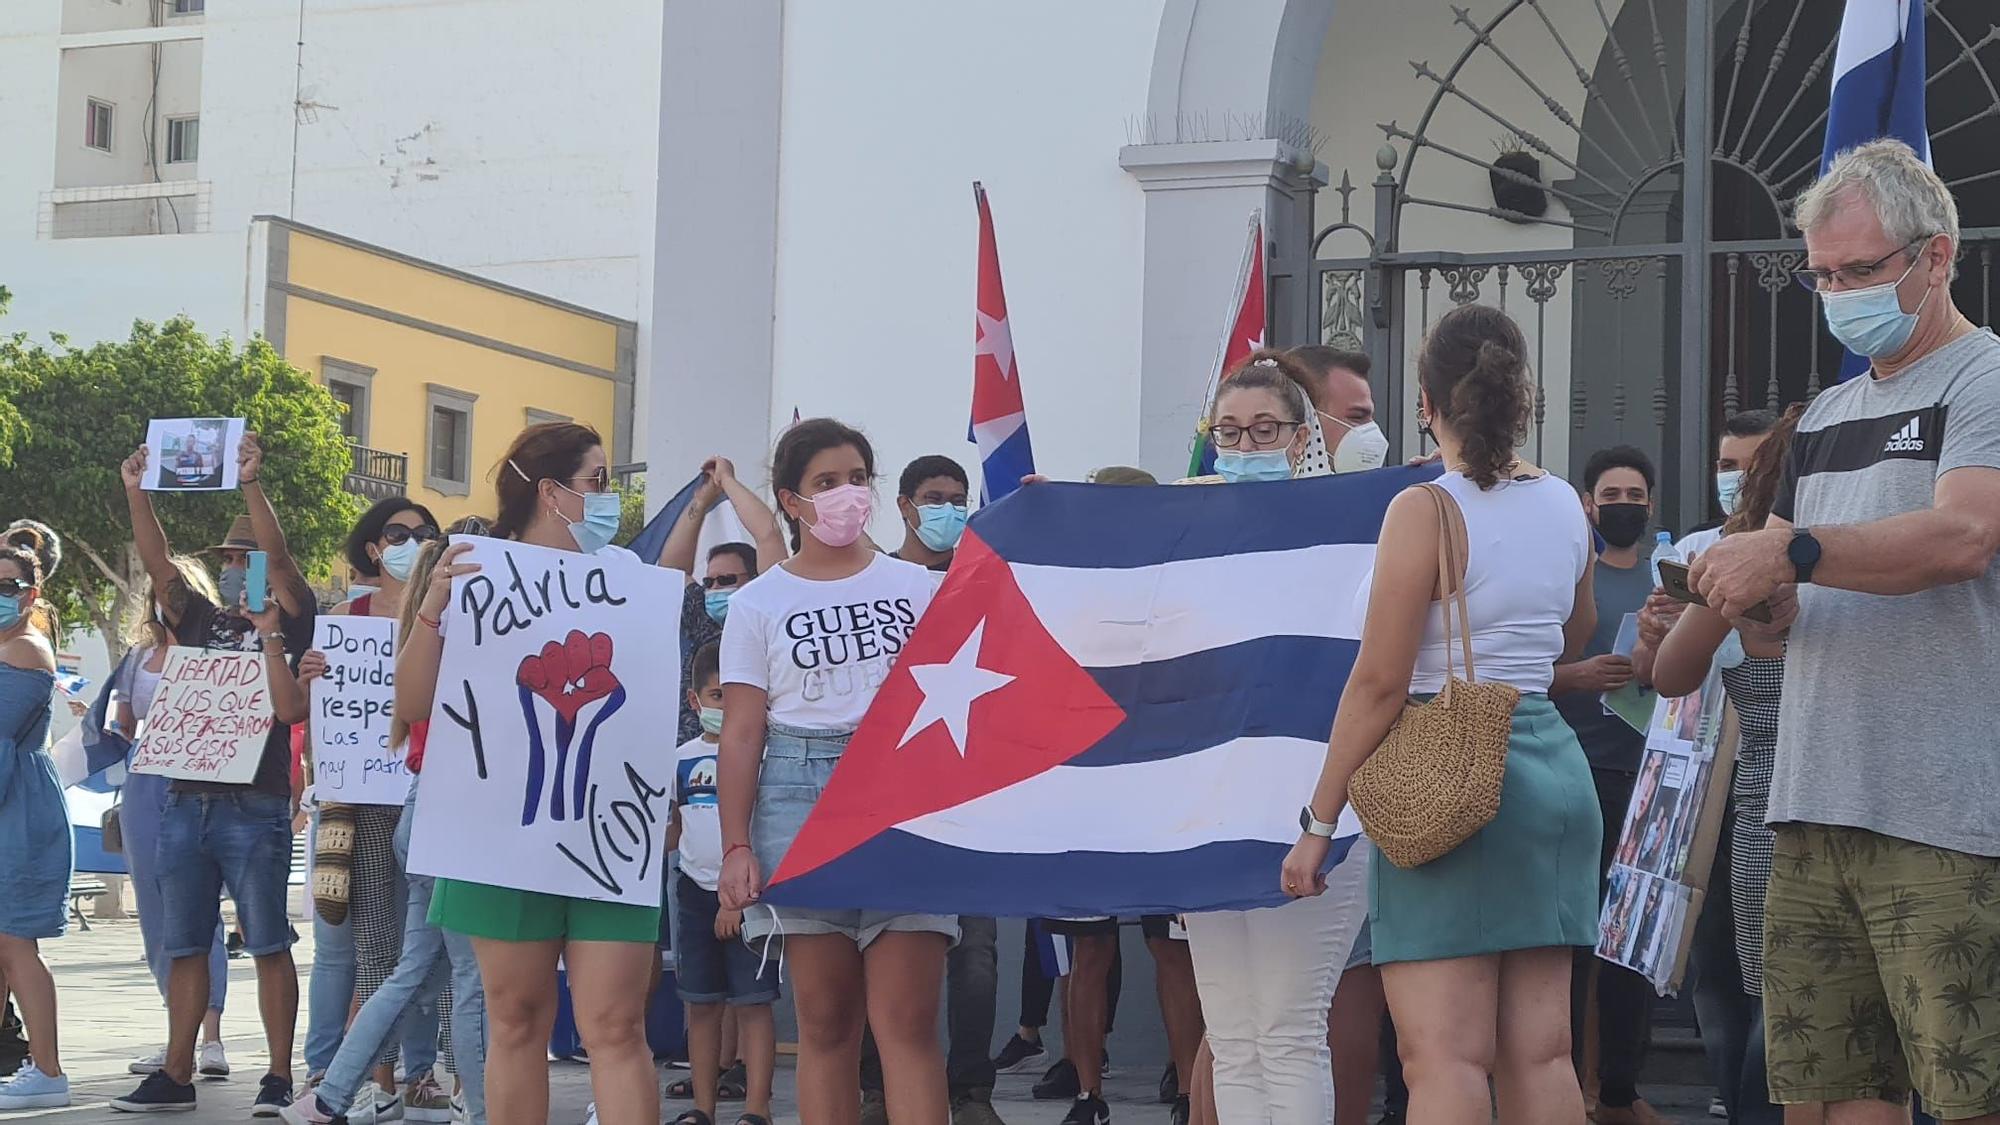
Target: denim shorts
x,y
212,842
797,765
713,970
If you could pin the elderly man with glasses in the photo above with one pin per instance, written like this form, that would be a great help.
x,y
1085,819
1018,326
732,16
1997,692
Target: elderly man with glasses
x,y
1883,928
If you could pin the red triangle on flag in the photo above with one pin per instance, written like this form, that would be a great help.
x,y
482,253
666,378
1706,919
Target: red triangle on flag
x,y
981,699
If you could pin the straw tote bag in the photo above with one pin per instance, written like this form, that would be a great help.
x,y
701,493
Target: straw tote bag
x,y
1435,780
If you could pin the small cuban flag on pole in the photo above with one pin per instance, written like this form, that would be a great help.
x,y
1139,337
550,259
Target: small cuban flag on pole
x,y
999,417
1878,90
1242,335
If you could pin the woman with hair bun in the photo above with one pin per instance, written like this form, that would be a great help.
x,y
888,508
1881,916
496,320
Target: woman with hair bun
x,y
1475,945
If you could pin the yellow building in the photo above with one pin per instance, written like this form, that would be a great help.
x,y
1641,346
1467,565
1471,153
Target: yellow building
x,y
439,369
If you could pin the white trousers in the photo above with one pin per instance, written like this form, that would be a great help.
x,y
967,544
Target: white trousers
x,y
1266,978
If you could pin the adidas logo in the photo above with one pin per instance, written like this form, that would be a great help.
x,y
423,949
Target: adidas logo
x,y
1909,439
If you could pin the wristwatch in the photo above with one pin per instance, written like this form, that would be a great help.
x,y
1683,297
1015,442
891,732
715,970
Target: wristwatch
x,y
1312,825
1804,552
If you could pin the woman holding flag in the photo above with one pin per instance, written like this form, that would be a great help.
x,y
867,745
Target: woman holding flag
x,y
805,647
1271,1058
1475,944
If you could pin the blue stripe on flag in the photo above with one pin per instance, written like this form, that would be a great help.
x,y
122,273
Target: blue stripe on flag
x,y
1001,471
652,538
934,878
1084,525
1173,707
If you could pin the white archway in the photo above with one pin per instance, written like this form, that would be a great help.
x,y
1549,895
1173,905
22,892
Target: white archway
x,y
1231,91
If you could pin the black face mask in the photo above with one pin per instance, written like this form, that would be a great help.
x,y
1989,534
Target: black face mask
x,y
1622,524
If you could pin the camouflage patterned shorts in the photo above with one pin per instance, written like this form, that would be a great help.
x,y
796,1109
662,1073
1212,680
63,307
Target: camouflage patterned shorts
x,y
1882,972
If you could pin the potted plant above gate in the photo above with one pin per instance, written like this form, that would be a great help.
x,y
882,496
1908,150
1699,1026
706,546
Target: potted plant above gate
x,y
1523,202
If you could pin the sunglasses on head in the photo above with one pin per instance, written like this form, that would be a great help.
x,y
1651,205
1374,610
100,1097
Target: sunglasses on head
x,y
396,534
723,581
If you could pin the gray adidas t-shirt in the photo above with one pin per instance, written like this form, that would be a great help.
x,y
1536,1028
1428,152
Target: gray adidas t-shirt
x,y
1890,721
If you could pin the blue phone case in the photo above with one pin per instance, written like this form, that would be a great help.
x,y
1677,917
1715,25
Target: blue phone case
x,y
253,583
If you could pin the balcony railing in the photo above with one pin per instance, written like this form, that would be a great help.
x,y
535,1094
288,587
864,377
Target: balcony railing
x,y
377,474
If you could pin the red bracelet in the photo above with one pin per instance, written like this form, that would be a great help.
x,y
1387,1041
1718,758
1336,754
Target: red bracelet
x,y
726,852
428,621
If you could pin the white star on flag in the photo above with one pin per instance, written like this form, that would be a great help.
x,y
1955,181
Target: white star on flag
x,y
996,340
949,690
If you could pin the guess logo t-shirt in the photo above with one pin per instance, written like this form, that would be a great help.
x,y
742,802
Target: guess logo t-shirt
x,y
821,649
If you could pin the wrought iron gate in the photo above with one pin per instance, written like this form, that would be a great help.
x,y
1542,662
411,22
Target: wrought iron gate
x,y
1673,304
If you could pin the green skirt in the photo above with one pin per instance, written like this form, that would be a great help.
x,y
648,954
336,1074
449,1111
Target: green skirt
x,y
1525,881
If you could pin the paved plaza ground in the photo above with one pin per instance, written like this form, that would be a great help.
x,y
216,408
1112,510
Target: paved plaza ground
x,y
111,1015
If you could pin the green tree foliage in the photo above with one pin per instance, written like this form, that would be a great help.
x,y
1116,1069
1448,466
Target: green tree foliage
x,y
84,410
631,510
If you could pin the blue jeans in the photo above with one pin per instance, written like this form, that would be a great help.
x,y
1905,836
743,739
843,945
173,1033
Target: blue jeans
x,y
330,992
142,803
406,1004
240,841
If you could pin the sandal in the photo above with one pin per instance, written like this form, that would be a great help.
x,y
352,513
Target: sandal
x,y
751,1119
693,1117
734,1084
681,1090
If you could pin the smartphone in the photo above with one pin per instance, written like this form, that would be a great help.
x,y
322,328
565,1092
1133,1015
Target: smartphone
x,y
1674,580
254,582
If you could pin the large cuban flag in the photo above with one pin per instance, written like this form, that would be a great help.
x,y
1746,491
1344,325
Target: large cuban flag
x,y
1878,89
1116,704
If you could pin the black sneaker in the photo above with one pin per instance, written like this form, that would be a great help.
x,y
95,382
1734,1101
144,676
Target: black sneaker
x,y
157,1093
973,1106
1181,1111
1170,1086
1017,1055
273,1095
1088,1110
1059,1084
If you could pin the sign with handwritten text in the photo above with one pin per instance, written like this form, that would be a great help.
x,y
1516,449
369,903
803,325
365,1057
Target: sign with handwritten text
x,y
209,719
353,763
550,761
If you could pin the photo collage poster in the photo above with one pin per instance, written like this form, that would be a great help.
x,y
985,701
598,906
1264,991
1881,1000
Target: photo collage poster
x,y
1658,874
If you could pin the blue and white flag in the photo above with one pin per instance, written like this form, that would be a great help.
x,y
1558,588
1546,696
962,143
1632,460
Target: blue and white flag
x,y
1116,704
1878,90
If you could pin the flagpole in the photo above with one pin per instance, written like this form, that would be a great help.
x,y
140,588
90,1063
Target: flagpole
x,y
1229,314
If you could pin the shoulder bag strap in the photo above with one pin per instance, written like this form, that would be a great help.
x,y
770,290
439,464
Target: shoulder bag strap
x,y
1450,520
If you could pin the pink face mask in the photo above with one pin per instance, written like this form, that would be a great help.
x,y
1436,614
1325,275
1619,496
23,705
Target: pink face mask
x,y
840,513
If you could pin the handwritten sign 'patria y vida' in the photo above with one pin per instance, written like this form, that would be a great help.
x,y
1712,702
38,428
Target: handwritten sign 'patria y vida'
x,y
351,706
549,761
209,719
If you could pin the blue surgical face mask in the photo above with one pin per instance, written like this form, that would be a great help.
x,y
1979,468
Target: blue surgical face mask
x,y
940,525
230,585
1871,322
1728,486
711,720
1262,464
716,602
399,559
10,611
602,513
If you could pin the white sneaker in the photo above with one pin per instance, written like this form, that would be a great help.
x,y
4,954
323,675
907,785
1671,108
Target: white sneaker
x,y
149,1064
213,1062
592,1118
371,1105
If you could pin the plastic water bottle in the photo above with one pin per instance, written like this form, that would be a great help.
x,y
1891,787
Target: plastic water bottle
x,y
1664,550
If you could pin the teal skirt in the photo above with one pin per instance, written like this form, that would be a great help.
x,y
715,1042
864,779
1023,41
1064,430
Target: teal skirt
x,y
1525,881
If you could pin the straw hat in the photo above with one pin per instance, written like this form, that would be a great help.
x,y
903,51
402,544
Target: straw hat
x,y
242,537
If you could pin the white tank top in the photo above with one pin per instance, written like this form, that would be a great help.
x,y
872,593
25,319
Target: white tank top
x,y
1527,544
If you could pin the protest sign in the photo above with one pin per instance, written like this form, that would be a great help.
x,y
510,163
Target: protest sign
x,y
550,756
1659,874
192,454
209,719
353,763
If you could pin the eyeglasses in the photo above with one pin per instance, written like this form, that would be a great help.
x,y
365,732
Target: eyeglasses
x,y
395,535
1858,276
1261,433
599,481
933,499
12,587
723,581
